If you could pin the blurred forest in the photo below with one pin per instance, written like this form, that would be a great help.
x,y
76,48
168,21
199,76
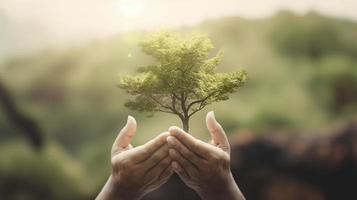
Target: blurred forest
x,y
302,91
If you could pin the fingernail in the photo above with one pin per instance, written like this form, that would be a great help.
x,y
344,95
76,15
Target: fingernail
x,y
130,119
170,140
167,134
212,114
172,152
130,123
173,130
175,166
211,118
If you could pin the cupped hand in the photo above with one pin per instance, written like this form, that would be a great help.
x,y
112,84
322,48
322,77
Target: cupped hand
x,y
204,167
136,171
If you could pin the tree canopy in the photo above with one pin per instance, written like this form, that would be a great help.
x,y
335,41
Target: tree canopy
x,y
184,79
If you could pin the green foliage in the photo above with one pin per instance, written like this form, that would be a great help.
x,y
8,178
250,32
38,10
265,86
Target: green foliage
x,y
25,174
334,84
312,36
183,80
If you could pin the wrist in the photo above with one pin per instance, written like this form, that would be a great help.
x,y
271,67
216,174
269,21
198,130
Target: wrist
x,y
226,189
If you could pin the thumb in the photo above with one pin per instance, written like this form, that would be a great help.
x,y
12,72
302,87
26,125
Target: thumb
x,y
217,133
125,135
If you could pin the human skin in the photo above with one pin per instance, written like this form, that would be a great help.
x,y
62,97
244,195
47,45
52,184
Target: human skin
x,y
204,167
136,171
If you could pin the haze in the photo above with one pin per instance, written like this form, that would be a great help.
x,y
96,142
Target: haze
x,y
95,18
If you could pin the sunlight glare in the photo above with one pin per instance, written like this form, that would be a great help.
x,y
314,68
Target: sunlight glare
x,y
131,8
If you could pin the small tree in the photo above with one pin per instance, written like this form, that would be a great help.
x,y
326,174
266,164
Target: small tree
x,y
183,81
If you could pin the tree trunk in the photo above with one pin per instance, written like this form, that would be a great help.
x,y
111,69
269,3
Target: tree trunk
x,y
19,118
185,124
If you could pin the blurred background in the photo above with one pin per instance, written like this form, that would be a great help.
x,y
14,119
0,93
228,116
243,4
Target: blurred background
x,y
293,127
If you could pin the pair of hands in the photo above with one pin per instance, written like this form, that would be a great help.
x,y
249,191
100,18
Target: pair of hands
x,y
204,167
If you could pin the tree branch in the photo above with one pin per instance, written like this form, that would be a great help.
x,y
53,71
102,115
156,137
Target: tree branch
x,y
198,109
164,111
200,100
158,102
175,95
183,104
192,91
171,110
173,102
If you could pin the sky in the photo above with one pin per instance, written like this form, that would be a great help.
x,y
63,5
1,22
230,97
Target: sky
x,y
95,18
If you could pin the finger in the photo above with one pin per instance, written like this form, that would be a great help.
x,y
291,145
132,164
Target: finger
x,y
143,152
219,137
179,170
183,150
187,166
155,158
155,172
164,176
202,149
125,135
167,172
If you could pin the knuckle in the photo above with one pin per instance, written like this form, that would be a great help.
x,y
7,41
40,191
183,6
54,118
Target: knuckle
x,y
114,160
120,164
180,148
184,162
213,156
176,144
115,167
221,159
190,155
173,142
195,144
217,129
166,150
216,157
226,160
163,164
144,150
124,163
206,165
138,173
155,158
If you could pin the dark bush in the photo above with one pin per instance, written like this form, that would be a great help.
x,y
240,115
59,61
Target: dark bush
x,y
27,174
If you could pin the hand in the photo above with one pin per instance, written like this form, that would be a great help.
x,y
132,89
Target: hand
x,y
204,167
136,171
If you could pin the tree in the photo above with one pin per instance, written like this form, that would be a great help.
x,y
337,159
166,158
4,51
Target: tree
x,y
183,81
19,119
